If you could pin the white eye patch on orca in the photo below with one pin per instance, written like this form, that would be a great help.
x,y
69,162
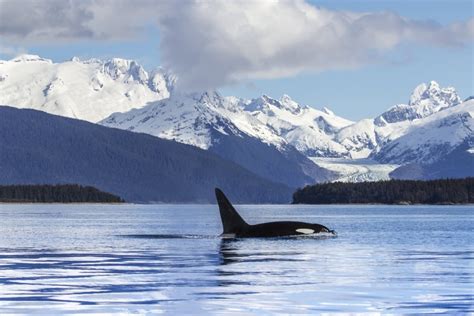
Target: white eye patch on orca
x,y
305,231
228,235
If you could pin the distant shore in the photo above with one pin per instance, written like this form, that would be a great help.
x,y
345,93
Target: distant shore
x,y
213,205
391,192
60,193
66,203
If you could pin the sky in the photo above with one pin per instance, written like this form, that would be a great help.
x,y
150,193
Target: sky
x,y
356,57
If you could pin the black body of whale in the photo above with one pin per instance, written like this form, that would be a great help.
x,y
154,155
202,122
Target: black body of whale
x,y
235,226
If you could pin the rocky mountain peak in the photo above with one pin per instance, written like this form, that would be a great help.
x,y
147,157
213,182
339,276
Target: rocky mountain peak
x,y
288,104
265,102
209,98
29,58
126,70
433,93
87,89
426,99
328,111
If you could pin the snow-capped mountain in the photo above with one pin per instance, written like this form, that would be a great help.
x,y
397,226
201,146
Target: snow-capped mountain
x,y
186,118
459,163
315,133
366,137
434,119
222,125
424,101
89,90
189,118
122,94
309,130
430,139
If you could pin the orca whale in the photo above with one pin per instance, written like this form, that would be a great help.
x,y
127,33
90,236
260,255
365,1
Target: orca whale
x,y
235,226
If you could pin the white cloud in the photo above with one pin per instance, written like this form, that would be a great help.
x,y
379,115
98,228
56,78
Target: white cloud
x,y
11,51
49,20
213,43
210,43
69,20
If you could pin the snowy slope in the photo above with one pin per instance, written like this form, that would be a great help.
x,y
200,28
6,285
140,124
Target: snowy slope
x,y
90,90
425,100
459,163
430,139
325,138
310,130
212,122
120,93
366,137
186,118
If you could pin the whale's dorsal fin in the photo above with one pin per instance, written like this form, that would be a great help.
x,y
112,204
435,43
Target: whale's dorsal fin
x,y
231,220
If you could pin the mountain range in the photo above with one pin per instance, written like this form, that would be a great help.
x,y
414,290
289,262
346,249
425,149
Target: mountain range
x,y
89,90
277,139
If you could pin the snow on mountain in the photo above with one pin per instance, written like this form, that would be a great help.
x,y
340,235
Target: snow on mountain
x,y
120,93
366,137
425,100
430,127
186,118
424,141
90,90
212,122
428,140
359,139
309,130
28,57
459,163
193,119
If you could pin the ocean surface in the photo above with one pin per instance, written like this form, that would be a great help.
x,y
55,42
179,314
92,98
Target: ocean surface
x,y
147,259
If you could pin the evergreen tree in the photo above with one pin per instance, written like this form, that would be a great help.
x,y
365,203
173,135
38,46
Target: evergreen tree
x,y
61,193
443,191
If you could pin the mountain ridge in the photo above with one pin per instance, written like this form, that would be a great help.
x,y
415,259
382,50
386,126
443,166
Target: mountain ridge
x,y
39,148
300,135
89,90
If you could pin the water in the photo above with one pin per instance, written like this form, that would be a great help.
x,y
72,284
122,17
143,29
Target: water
x,y
60,259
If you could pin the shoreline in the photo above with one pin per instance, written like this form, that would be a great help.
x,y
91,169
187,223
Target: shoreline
x,y
66,203
184,203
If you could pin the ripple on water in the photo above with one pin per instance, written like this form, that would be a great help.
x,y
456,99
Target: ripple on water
x,y
81,261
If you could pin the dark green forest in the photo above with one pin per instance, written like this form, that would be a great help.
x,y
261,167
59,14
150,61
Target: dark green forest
x,y
62,193
38,148
445,191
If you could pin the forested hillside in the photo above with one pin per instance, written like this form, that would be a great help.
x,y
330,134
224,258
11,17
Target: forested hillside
x,y
38,148
65,193
447,191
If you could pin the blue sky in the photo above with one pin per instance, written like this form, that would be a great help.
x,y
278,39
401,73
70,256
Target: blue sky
x,y
367,91
355,93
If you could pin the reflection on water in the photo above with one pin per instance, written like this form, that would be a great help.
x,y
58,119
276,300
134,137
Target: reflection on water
x,y
230,253
85,260
167,236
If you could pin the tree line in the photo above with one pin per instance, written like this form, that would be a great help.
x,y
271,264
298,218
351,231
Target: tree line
x,y
61,193
443,191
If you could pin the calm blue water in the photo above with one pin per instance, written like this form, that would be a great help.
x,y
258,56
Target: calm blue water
x,y
386,259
